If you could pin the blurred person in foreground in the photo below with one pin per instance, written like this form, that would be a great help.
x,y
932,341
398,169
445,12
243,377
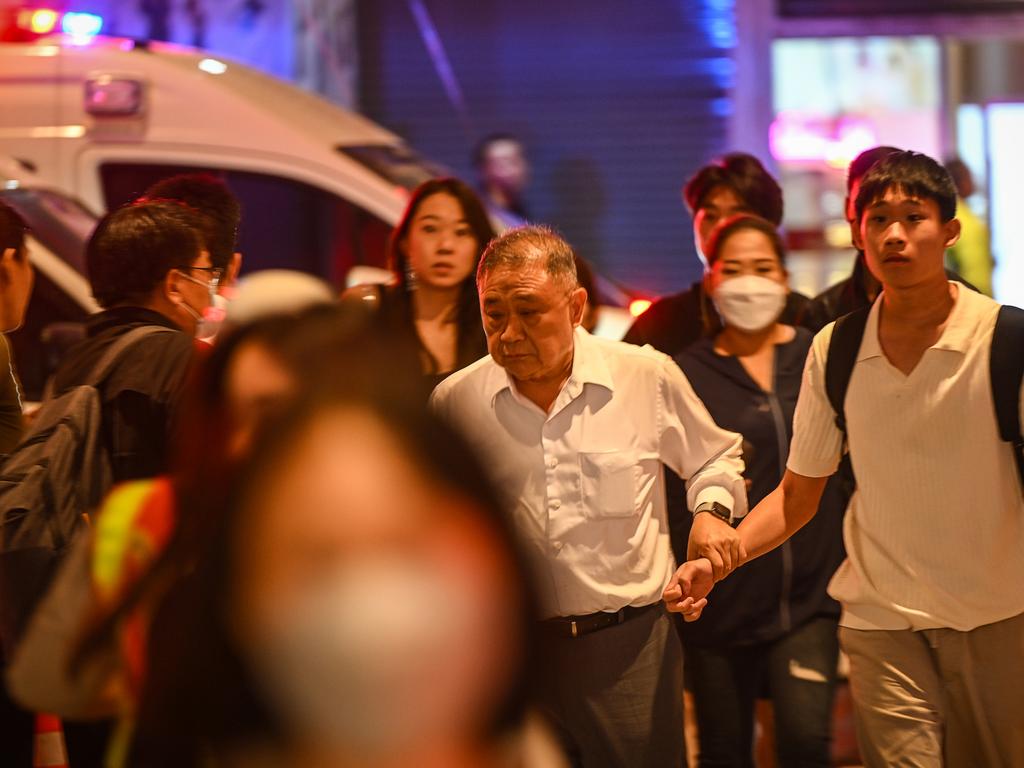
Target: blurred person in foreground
x,y
736,183
575,430
772,626
971,255
434,251
932,612
503,173
360,602
85,652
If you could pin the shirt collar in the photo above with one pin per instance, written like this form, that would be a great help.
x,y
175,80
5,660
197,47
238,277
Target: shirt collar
x,y
588,367
955,337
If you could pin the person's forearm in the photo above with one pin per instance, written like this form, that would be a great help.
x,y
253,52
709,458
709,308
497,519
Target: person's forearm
x,y
780,514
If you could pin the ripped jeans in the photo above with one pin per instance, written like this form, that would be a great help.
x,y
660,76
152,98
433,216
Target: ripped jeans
x,y
797,672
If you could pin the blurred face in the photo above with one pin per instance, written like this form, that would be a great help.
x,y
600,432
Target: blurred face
x,y
16,280
905,240
441,246
386,660
505,166
257,385
719,205
746,252
529,321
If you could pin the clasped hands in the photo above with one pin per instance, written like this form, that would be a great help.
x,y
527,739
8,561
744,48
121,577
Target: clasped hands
x,y
714,551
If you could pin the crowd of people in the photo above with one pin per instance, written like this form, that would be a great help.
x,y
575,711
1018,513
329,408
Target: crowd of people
x,y
438,523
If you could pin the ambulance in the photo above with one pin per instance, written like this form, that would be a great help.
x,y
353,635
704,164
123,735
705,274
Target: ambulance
x,y
92,121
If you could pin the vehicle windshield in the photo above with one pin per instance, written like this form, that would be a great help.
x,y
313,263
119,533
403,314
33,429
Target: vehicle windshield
x,y
397,163
61,224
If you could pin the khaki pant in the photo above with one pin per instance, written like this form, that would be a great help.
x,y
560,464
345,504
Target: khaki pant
x,y
939,697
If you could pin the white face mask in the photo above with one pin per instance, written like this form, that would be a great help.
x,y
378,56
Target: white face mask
x,y
376,659
212,319
749,302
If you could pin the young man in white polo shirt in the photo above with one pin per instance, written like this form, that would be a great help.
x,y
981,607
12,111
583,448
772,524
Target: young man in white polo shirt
x,y
933,585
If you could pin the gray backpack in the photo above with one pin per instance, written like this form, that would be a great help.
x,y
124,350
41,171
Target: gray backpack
x,y
59,471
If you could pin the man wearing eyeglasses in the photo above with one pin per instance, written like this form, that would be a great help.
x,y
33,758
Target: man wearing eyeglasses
x,y
148,265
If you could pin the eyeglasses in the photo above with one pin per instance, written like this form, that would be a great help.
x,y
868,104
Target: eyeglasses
x,y
216,273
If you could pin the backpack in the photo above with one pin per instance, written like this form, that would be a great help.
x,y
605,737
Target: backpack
x,y
1006,371
58,472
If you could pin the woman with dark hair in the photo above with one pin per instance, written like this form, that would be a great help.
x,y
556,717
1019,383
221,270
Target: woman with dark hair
x,y
774,631
433,255
361,603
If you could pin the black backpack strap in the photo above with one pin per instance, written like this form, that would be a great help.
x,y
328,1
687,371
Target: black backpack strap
x,y
841,357
1006,370
119,347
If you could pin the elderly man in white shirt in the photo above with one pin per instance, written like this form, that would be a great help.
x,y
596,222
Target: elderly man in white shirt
x,y
576,429
932,589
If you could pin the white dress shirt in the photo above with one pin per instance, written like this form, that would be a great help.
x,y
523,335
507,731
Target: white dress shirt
x,y
935,531
585,480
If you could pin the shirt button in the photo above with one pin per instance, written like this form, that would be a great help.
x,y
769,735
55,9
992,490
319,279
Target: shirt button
x,y
556,503
552,462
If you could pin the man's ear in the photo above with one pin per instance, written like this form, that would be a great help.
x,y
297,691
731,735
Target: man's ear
x,y
234,267
855,236
577,303
951,232
171,286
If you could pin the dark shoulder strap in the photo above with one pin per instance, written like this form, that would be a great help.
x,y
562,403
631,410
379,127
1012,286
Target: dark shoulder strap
x,y
119,347
1006,370
842,354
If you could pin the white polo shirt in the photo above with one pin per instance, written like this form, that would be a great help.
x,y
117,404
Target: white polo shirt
x,y
935,530
585,480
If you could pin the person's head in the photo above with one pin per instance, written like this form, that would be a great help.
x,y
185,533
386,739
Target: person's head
x,y
531,303
859,166
905,219
746,278
153,255
962,177
361,598
500,161
437,243
208,194
16,276
735,183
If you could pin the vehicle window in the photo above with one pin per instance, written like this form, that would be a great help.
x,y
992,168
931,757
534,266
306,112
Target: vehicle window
x,y
56,221
285,224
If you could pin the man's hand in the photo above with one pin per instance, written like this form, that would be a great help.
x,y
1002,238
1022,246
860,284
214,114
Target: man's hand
x,y
687,590
716,540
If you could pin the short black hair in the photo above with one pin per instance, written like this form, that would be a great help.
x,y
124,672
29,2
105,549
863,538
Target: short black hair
x,y
209,195
912,173
862,163
739,223
133,248
746,177
480,150
12,229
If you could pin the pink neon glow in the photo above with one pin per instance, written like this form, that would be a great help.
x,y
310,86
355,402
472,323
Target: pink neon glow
x,y
794,137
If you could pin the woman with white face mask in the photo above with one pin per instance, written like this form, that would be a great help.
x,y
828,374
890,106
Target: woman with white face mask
x,y
772,632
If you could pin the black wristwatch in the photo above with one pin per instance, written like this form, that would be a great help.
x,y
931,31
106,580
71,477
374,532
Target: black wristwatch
x,y
720,511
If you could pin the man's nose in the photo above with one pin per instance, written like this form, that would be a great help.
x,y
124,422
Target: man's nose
x,y
896,233
513,330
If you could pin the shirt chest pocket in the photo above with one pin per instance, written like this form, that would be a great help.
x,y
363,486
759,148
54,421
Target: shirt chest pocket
x,y
609,484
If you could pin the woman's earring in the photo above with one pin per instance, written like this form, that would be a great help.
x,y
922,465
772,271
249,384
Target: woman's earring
x,y
410,277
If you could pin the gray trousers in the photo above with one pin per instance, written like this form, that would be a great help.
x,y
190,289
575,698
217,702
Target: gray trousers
x,y
618,693
939,697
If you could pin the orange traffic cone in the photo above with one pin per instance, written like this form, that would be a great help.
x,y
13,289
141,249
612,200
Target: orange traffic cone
x,y
49,749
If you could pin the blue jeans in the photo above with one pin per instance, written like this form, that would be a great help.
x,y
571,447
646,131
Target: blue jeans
x,y
798,672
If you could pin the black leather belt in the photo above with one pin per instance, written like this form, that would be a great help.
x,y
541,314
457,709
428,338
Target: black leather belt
x,y
577,626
